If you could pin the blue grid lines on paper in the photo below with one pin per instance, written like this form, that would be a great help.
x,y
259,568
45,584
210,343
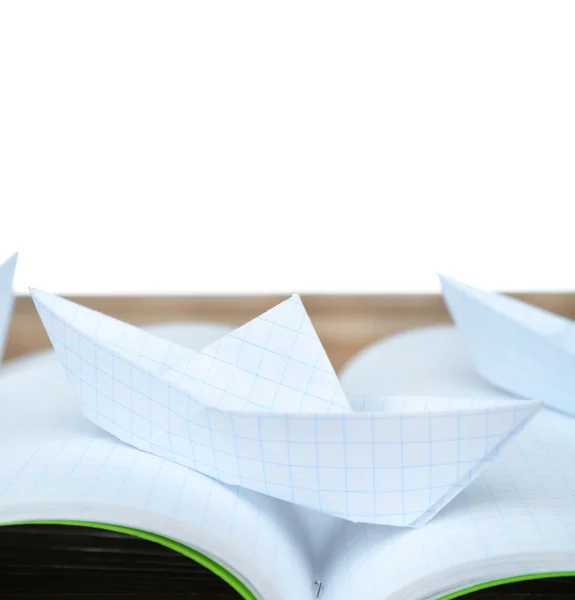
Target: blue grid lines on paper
x,y
271,451
237,371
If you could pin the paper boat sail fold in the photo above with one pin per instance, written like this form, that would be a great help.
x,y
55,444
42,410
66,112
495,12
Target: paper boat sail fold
x,y
275,362
397,462
519,348
7,270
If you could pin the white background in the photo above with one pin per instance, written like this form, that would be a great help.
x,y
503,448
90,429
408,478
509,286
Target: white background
x,y
214,146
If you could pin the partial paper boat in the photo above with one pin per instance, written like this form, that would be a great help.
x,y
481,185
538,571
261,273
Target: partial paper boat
x,y
7,270
263,408
517,347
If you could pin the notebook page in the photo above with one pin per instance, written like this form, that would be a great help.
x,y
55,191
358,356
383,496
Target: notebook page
x,y
516,518
426,361
56,464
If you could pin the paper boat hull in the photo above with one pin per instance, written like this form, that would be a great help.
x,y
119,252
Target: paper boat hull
x,y
516,347
396,463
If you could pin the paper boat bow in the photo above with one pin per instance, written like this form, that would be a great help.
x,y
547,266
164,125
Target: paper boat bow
x,y
263,408
517,347
6,299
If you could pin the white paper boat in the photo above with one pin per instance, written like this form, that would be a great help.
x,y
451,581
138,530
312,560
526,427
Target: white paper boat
x,y
6,299
519,348
263,408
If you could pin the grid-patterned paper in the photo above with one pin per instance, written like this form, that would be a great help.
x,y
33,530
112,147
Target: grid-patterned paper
x,y
6,299
517,347
398,461
274,362
56,464
516,518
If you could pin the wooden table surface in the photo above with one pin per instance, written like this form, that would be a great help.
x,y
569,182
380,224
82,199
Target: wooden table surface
x,y
345,323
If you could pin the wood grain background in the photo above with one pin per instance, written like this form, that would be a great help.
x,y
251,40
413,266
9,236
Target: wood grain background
x,y
345,323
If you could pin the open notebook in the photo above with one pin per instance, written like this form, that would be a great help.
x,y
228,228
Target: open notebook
x,y
59,466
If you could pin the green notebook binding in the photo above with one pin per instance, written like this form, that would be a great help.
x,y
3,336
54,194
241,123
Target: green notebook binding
x,y
510,580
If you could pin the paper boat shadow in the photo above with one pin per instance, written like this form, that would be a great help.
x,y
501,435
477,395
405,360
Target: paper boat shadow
x,y
398,461
519,348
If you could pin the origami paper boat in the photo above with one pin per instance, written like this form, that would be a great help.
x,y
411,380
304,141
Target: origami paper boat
x,y
6,299
517,347
263,408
